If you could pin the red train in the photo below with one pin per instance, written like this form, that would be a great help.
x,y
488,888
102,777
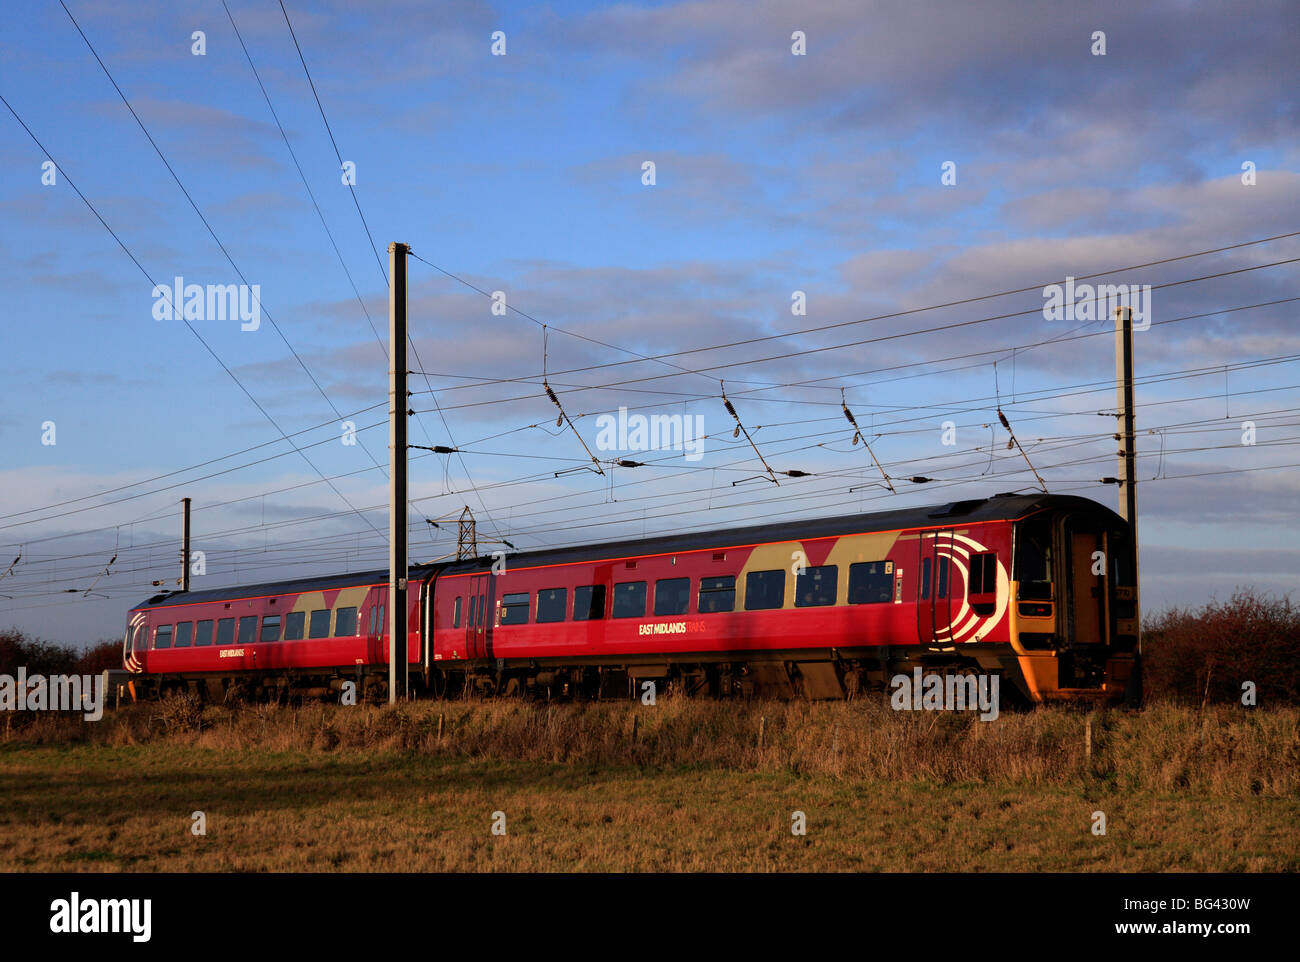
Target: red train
x,y
1038,589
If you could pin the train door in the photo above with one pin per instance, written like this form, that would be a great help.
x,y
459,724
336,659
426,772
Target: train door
x,y
1087,586
478,626
471,615
376,626
935,587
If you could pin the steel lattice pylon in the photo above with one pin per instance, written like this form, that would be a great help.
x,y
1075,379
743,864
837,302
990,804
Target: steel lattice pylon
x,y
466,536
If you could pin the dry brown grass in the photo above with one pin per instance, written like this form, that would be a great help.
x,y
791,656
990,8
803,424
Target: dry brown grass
x,y
1220,751
684,785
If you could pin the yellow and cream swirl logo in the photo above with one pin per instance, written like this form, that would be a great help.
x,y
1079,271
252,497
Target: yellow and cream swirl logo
x,y
966,624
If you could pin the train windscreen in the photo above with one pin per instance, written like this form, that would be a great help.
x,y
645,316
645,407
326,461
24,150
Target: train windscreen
x,y
1033,559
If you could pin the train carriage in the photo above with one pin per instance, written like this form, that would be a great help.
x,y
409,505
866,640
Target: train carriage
x,y
1037,589
310,634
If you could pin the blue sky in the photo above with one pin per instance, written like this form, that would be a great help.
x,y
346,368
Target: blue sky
x,y
523,173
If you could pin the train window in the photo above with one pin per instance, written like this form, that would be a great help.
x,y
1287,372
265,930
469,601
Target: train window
x,y
248,629
455,612
983,574
941,590
184,631
203,633
1117,559
226,631
925,579
514,609
551,604
345,622
588,602
672,596
816,586
717,594
764,589
473,611
270,628
293,625
319,625
629,599
871,583
1033,559
162,637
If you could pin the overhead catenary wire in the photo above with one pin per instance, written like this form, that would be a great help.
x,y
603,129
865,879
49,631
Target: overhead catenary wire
x,y
1166,376
184,190
912,311
1261,468
1014,440
564,419
858,436
976,403
1083,485
231,374
363,410
859,343
752,394
740,427
279,564
379,262
774,335
305,182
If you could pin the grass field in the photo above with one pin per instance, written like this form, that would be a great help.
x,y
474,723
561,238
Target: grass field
x,y
680,786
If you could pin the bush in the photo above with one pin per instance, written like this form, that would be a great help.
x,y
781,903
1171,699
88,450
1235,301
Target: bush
x,y
1204,656
38,657
17,650
180,712
102,656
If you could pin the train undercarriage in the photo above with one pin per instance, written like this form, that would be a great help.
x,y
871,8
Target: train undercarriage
x,y
813,674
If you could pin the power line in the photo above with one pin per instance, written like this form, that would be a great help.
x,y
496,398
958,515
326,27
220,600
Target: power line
x,y
206,224
904,313
1094,435
209,349
480,381
946,406
788,497
380,264
951,406
187,324
874,340
660,358
192,467
310,193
